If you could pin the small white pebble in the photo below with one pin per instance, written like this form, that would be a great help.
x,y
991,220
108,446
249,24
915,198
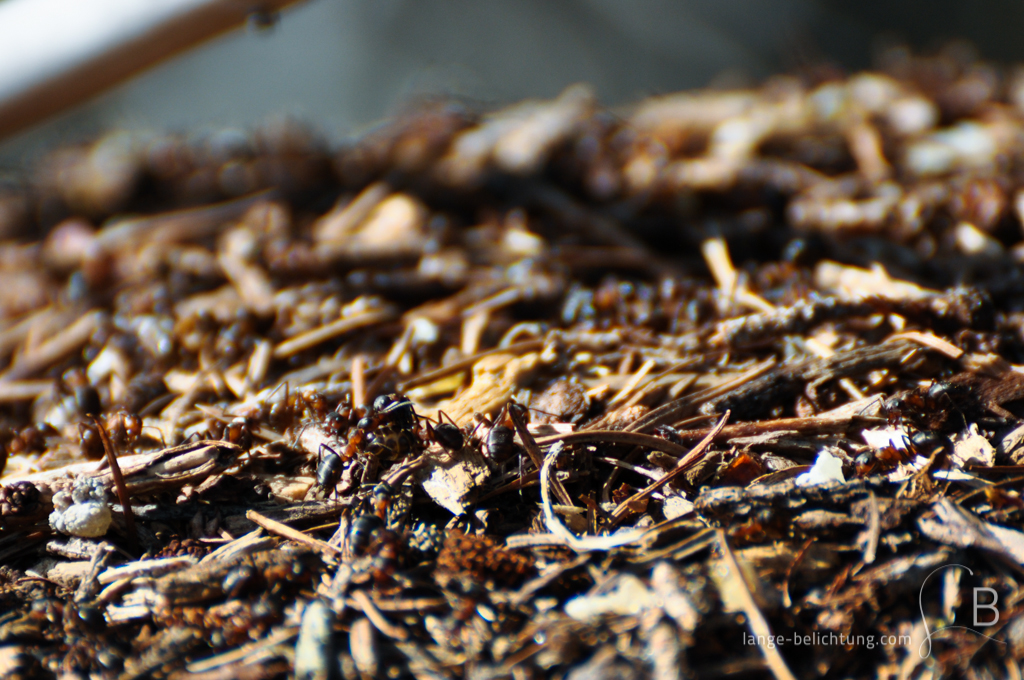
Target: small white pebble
x,y
912,115
972,241
827,468
83,512
87,520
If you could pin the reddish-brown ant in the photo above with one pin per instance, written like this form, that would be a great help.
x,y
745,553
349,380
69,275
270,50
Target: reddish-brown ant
x,y
920,443
925,409
124,430
385,431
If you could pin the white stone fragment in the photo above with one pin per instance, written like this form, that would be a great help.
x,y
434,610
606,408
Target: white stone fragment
x,y
84,512
827,468
676,506
971,448
973,241
912,115
630,596
86,520
424,331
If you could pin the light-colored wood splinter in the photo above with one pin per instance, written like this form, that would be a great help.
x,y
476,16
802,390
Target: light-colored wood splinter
x,y
285,531
304,341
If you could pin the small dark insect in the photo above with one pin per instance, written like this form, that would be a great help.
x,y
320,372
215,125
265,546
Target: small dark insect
x,y
385,431
316,404
925,409
894,409
239,431
927,443
865,464
939,390
333,423
31,439
370,538
380,498
446,433
124,428
884,459
92,445
500,445
286,412
328,468
397,409
388,551
132,426
389,443
87,400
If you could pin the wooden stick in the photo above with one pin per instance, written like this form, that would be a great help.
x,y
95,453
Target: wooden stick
x,y
285,531
534,451
122,489
618,437
329,331
684,464
74,51
377,618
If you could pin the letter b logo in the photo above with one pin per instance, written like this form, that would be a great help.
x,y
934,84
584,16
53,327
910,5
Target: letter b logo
x,y
991,605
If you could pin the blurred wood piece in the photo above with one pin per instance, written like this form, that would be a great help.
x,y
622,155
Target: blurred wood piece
x,y
55,54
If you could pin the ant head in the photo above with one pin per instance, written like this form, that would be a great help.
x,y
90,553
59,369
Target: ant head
x,y
329,452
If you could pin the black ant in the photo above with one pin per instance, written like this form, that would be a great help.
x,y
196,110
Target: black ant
x,y
384,491
499,445
328,468
362,532
386,431
239,431
370,538
311,407
446,433
369,533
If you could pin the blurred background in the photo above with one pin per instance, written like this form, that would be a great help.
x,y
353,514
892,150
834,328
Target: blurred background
x,y
343,64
